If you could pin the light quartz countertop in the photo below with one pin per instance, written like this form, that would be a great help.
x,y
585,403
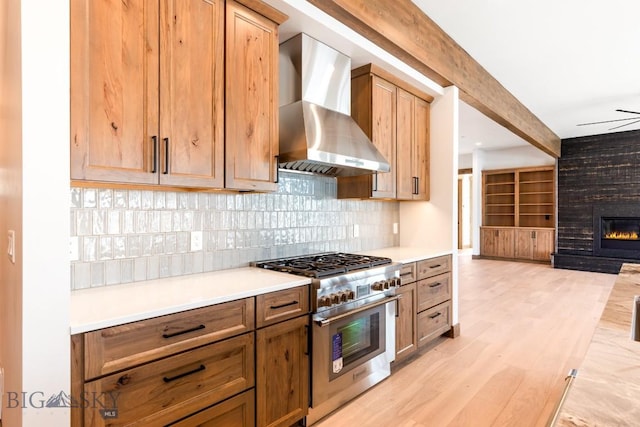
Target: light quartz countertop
x,y
107,306
405,254
606,391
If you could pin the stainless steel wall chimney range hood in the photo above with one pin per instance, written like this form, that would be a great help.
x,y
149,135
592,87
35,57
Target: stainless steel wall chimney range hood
x,y
317,133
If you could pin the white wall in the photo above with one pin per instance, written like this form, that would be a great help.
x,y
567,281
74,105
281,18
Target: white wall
x,y
465,161
45,151
433,225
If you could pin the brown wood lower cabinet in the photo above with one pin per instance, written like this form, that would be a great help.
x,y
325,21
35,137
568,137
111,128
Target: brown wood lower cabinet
x,y
172,388
424,309
201,367
406,328
282,373
518,243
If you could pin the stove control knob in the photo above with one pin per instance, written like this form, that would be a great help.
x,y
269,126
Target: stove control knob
x,y
377,286
324,302
386,284
335,298
343,296
351,295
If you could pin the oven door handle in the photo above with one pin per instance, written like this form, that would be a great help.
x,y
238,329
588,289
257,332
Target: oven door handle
x,y
329,320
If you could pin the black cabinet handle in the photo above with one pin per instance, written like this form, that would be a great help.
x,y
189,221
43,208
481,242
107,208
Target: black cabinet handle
x,y
286,304
406,274
184,331
277,169
375,181
306,334
435,266
177,377
154,165
433,316
435,285
166,156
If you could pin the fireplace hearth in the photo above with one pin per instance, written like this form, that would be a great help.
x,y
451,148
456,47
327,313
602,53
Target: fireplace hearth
x,y
616,231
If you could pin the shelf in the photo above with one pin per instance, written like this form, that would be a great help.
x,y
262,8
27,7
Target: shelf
x,y
544,181
500,183
499,204
536,214
525,193
536,204
499,214
500,194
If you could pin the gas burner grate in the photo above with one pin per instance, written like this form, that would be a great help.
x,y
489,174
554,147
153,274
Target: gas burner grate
x,y
323,265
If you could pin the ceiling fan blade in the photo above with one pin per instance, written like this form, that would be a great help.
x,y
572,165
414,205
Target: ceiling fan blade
x,y
627,111
606,121
626,124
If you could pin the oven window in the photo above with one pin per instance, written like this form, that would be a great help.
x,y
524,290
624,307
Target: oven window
x,y
357,339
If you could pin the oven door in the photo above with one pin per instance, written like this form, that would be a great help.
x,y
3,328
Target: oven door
x,y
352,350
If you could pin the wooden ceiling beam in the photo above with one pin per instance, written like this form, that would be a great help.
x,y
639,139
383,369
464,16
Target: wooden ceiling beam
x,y
402,29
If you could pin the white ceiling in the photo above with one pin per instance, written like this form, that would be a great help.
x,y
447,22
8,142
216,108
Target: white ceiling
x,y
568,61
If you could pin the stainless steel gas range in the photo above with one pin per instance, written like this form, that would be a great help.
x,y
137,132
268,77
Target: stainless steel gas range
x,y
354,305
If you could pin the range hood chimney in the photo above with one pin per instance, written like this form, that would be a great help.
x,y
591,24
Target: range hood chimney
x,y
317,133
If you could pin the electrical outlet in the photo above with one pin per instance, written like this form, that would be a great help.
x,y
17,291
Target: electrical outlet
x,y
395,228
356,230
73,249
196,241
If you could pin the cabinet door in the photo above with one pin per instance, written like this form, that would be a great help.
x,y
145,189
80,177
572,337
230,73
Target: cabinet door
x,y
544,244
406,331
282,373
191,96
488,241
524,243
506,243
251,98
384,134
405,139
421,150
114,91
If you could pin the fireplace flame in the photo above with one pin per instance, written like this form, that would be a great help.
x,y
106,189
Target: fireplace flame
x,y
622,235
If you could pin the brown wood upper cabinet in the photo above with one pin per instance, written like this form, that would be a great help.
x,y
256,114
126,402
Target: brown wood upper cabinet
x,y
251,99
148,93
395,116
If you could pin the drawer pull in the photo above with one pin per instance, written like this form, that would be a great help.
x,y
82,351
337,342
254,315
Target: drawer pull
x,y
433,316
434,285
286,304
435,266
185,331
406,274
177,377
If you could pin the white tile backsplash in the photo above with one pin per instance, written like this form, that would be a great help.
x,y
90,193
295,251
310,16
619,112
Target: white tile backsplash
x,y
133,235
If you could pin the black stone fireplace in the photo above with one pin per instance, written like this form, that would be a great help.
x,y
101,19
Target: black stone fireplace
x,y
598,194
616,231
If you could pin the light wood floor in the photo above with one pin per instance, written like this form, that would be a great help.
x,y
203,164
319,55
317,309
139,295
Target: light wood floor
x,y
523,326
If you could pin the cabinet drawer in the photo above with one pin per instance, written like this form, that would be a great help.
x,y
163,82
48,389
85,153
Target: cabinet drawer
x,y
408,273
434,322
120,347
433,266
237,411
171,388
433,291
281,305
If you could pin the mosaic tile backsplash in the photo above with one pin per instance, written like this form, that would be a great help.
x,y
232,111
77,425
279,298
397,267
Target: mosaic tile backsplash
x,y
121,236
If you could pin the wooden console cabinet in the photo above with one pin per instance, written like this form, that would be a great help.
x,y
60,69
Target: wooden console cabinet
x,y
518,213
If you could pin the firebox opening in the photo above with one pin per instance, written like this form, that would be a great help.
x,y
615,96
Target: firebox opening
x,y
620,233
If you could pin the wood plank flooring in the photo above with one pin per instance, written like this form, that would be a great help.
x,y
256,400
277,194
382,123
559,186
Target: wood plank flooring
x,y
523,326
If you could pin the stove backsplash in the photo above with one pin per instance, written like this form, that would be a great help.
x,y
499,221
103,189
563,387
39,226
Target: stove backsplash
x,y
124,236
